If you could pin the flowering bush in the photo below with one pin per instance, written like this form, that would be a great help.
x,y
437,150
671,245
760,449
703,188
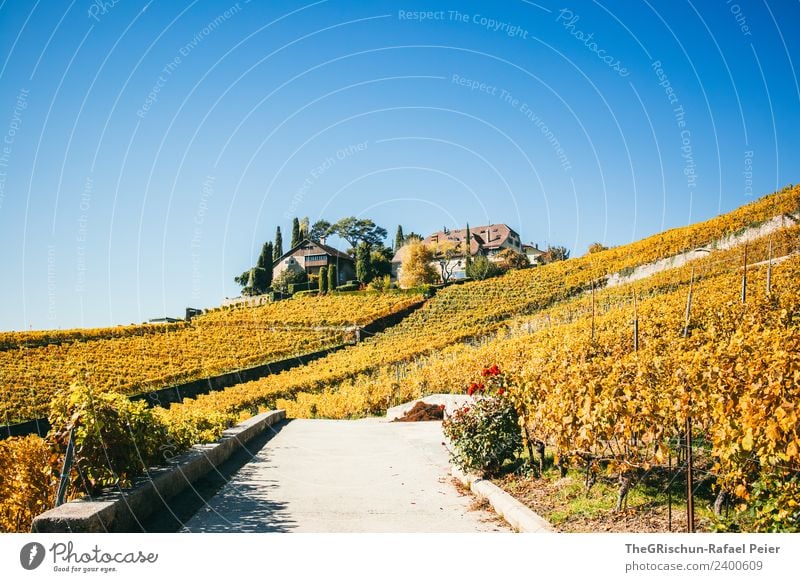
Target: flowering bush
x,y
486,434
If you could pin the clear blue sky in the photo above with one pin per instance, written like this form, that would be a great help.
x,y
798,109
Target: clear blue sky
x,y
149,148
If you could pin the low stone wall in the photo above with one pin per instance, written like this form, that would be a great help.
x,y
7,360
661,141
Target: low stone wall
x,y
125,511
515,513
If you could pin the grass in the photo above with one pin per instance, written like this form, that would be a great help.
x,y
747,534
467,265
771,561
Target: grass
x,y
568,505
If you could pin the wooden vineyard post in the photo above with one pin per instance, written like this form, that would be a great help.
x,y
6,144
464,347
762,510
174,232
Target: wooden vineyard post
x,y
635,323
769,268
669,488
593,311
744,276
689,460
688,307
63,481
689,476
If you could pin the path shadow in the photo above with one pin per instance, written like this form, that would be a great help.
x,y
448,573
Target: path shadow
x,y
241,497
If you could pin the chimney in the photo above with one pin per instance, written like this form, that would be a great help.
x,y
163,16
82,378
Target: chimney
x,y
322,239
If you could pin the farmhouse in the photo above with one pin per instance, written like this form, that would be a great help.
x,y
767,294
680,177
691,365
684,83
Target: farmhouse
x,y
532,252
488,240
310,256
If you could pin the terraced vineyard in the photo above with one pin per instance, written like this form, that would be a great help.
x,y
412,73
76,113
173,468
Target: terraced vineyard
x,y
476,309
141,358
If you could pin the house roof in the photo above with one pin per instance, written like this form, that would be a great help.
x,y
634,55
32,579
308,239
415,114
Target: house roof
x,y
490,236
532,249
309,247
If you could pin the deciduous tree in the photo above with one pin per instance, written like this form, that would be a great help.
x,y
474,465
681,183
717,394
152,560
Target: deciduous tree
x,y
417,268
355,230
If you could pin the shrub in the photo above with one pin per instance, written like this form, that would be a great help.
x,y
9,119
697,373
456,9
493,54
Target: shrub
x,y
187,425
380,284
482,268
323,280
484,435
115,439
28,473
333,277
349,287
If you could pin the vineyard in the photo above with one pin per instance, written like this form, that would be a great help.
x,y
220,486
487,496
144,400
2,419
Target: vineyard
x,y
611,380
135,359
606,378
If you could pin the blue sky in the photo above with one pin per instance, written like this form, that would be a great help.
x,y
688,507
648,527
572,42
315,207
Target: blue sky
x,y
149,148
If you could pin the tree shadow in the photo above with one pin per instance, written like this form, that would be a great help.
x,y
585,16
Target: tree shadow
x,y
241,497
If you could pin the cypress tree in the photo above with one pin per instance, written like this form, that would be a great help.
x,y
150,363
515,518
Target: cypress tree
x,y
295,232
265,258
305,229
265,261
468,260
363,263
323,279
332,278
277,252
399,239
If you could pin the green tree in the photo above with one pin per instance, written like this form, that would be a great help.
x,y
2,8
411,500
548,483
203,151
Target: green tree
x,y
323,280
482,268
304,228
277,252
243,279
318,230
364,271
295,232
256,282
265,258
381,261
333,278
399,239
289,277
467,249
355,230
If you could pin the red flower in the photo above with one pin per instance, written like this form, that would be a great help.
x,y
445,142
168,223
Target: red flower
x,y
480,386
500,391
494,370
441,407
472,388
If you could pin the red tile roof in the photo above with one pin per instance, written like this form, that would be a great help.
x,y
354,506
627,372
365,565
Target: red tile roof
x,y
488,237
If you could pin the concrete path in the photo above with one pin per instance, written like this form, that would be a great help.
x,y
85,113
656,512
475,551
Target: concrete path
x,y
345,476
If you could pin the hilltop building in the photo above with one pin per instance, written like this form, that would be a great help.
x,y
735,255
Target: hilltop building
x,y
488,240
310,256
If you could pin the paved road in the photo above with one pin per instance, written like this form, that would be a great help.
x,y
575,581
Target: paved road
x,y
345,476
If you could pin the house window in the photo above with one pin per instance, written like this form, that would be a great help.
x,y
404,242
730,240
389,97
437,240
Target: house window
x,y
315,258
